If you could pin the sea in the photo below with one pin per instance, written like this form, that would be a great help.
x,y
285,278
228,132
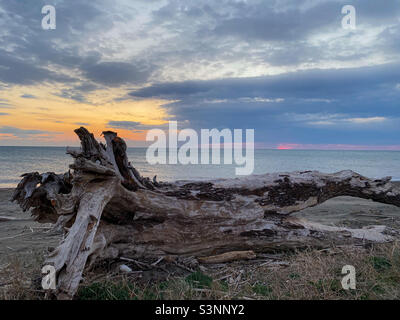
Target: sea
x,y
14,161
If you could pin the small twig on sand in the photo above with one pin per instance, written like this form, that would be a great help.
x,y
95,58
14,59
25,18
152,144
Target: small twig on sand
x,y
224,277
157,262
275,264
138,263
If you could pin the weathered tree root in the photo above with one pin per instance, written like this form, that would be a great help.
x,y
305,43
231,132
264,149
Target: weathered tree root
x,y
107,210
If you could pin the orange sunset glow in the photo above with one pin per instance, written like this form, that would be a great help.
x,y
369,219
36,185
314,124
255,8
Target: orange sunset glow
x,y
52,119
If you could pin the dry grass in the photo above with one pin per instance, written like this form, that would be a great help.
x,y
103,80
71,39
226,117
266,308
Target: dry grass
x,y
315,275
20,278
305,275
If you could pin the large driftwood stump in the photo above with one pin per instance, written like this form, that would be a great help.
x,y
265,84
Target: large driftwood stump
x,y
108,210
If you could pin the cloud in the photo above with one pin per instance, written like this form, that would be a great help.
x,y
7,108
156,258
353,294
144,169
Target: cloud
x,y
294,146
233,38
367,120
72,94
28,96
78,92
18,132
4,114
324,119
135,126
296,20
158,40
33,58
314,85
128,125
131,44
15,136
264,21
6,106
116,73
18,71
310,105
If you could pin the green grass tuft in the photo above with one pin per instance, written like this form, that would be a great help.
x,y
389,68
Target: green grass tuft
x,y
381,263
107,291
262,289
199,280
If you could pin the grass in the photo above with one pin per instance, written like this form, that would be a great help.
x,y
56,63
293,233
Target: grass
x,y
262,289
199,280
20,278
309,274
176,289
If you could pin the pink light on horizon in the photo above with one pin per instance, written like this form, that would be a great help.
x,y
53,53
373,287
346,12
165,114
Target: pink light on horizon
x,y
287,146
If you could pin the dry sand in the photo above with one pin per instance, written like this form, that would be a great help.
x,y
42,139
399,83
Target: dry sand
x,y
353,212
21,237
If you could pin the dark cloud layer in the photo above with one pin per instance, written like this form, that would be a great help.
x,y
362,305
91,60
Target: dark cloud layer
x,y
133,126
115,73
28,96
294,106
22,72
304,84
21,132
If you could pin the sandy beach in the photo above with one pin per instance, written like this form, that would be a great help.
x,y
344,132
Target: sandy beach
x,y
21,237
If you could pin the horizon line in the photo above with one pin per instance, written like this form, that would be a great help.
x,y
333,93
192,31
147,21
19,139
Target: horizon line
x,y
389,148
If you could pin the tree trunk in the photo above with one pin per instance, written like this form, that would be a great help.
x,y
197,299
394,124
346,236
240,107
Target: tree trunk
x,y
108,210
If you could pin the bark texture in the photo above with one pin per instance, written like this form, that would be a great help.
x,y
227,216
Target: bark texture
x,y
108,210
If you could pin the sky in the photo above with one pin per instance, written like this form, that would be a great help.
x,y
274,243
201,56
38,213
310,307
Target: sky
x,y
287,69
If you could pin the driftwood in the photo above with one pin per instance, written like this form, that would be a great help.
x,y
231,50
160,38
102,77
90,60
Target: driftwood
x,y
108,210
228,257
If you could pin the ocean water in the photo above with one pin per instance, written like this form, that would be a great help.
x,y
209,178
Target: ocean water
x,y
15,161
